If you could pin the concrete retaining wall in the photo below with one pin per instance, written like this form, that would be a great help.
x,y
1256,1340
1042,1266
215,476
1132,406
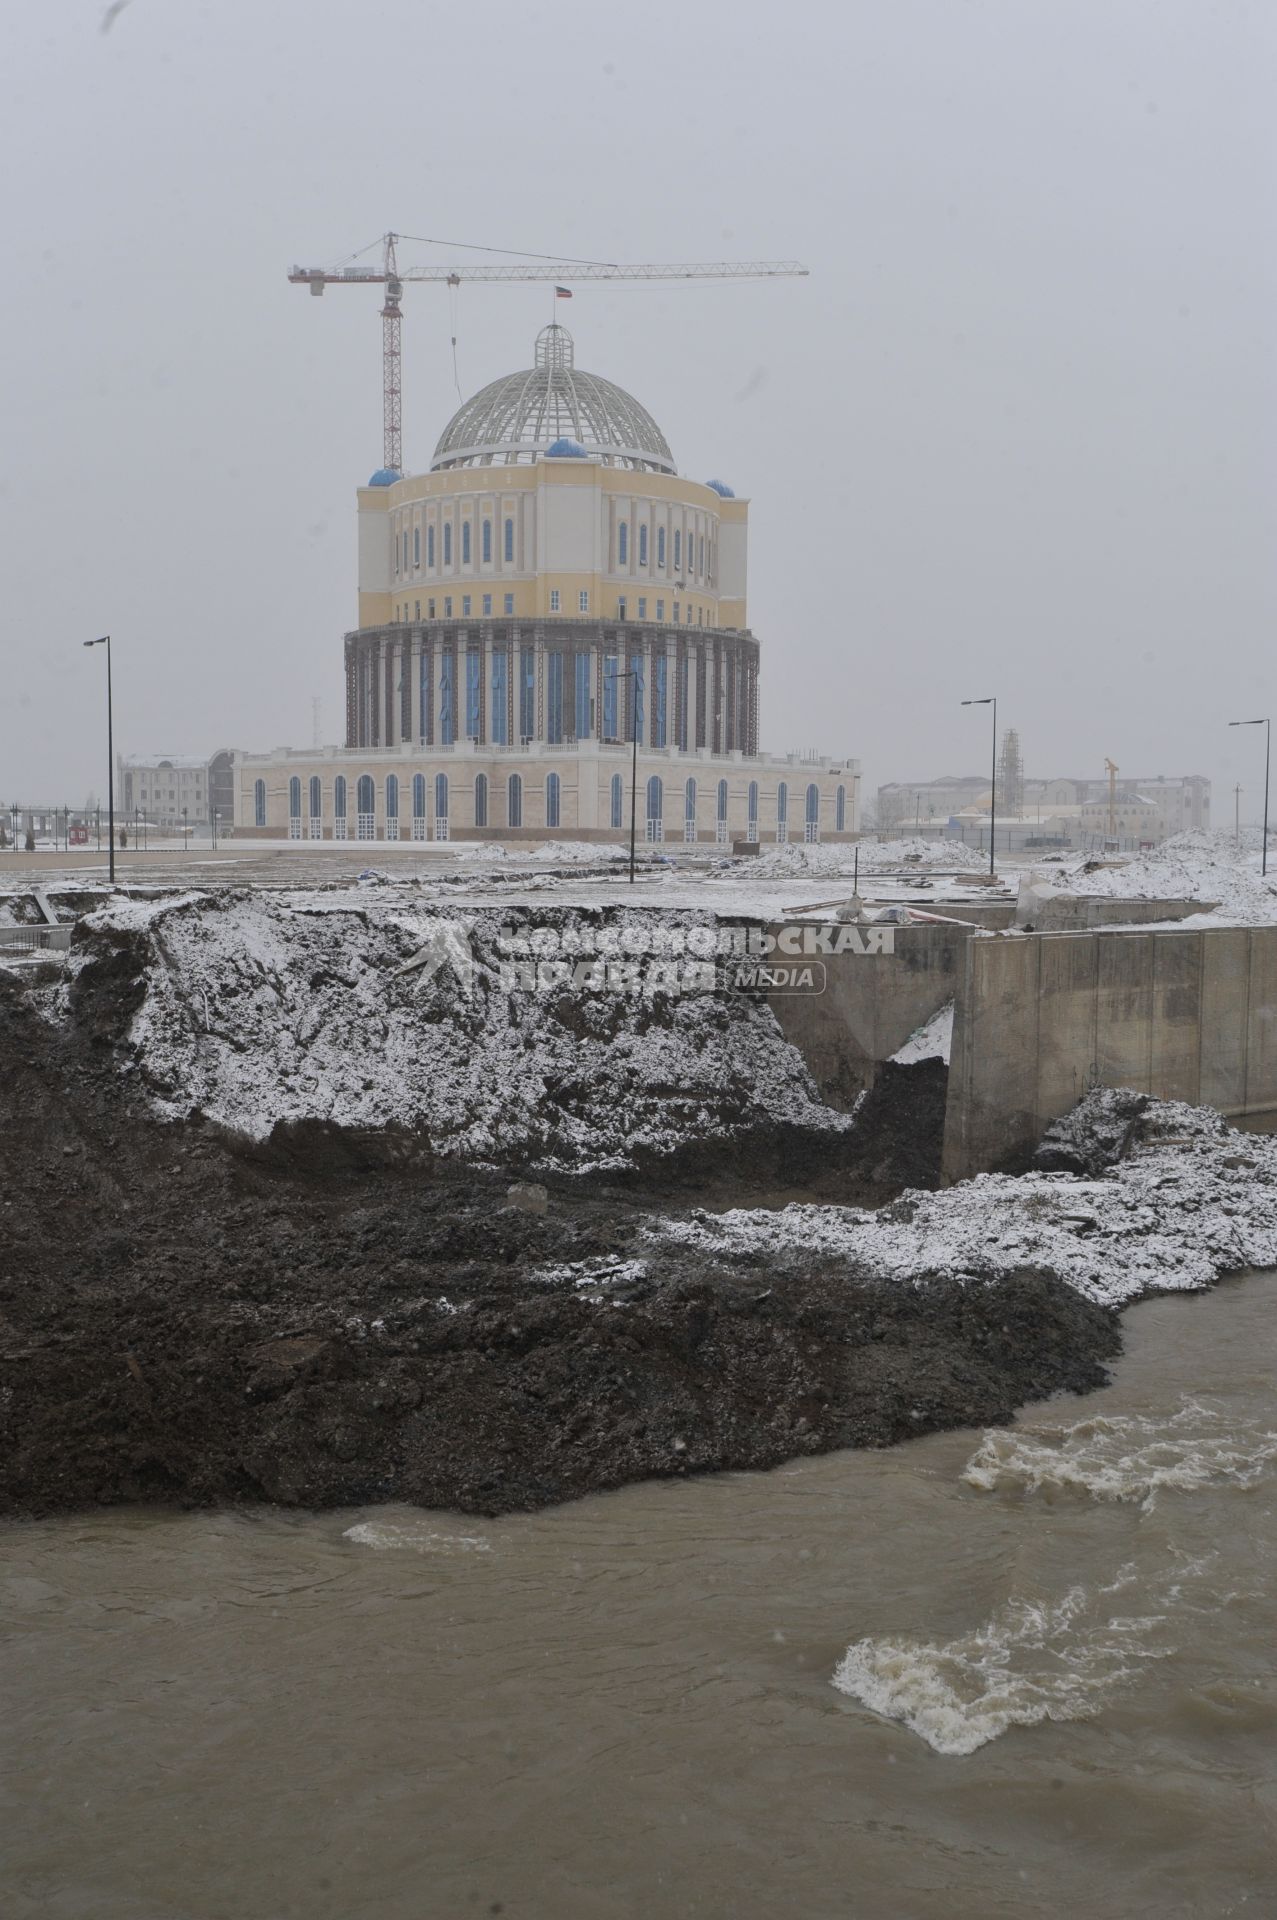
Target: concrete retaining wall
x,y
1067,912
1039,1018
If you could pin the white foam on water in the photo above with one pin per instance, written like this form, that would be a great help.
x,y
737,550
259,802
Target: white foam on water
x,y
1032,1661
386,1535
1124,1457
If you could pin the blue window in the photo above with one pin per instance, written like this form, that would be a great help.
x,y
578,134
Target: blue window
x,y
474,682
655,805
365,798
554,697
782,803
465,543
259,803
425,721
403,564
418,796
582,696
689,803
642,614
618,799
509,541
700,553
527,693
659,670
294,798
678,542
481,800
660,547
500,697
551,799
447,703
416,546
509,603
316,797
514,801
623,544
430,546
840,810
487,605
609,697
643,546
636,699
487,542
392,796
752,829
465,606
339,797
813,805
722,803
447,543
660,610
441,796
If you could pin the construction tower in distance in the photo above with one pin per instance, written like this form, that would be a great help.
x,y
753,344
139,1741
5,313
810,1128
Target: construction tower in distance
x,y
1011,777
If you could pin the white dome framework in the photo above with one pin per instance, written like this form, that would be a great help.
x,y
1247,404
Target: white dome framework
x,y
514,420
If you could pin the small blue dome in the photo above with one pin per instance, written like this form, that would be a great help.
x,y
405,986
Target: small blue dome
x,y
385,477
566,450
721,488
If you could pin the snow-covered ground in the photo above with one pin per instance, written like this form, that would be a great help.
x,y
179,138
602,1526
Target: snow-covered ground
x,y
1193,866
267,1007
1193,1200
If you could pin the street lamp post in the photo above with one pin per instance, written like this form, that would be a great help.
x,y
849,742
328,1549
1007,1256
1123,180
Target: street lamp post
x,y
104,640
991,701
632,673
1268,742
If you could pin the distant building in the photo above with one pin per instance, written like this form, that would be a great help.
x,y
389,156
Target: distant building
x,y
168,788
1064,809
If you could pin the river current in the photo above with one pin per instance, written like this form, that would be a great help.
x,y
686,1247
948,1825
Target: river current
x,y
1021,1673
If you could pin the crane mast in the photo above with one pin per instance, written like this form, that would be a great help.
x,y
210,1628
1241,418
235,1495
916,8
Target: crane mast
x,y
389,276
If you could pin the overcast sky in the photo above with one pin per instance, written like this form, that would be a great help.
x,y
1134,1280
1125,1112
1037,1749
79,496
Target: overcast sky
x,y
1015,434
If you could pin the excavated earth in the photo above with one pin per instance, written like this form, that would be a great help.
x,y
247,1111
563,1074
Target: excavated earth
x,y
333,1318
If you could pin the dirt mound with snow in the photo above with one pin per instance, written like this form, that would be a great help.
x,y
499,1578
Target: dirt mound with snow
x,y
268,1011
1191,866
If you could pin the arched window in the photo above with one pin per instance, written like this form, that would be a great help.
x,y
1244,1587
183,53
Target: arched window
x,y
481,800
514,801
339,807
259,803
430,546
678,546
660,546
418,806
465,543
720,812
551,799
840,810
447,543
623,544
487,542
618,800
441,796
316,807
416,546
811,813
655,808
294,798
392,796
365,808
782,811
751,818
689,811
643,546
509,540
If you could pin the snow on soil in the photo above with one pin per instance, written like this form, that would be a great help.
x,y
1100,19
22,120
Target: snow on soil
x,y
931,1041
1193,1200
1192,866
262,1008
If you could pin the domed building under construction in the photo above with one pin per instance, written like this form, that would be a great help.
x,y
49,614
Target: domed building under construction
x,y
551,593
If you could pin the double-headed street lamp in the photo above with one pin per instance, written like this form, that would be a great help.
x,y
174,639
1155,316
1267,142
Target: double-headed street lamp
x,y
1268,741
991,701
104,640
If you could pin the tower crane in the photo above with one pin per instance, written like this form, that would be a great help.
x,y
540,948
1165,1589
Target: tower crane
x,y
526,267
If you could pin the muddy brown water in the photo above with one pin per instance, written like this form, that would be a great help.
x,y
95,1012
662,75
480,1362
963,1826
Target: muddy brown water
x,y
1054,1647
